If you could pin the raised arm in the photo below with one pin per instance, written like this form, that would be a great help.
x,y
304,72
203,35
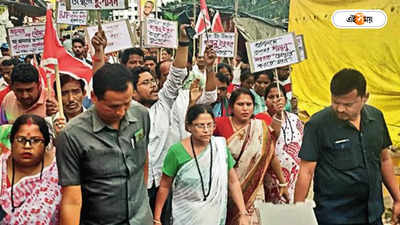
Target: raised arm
x,y
177,72
99,42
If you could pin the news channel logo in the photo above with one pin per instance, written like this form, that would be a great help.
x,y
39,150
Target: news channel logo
x,y
359,19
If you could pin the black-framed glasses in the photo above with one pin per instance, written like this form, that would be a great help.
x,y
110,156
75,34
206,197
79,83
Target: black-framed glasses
x,y
32,141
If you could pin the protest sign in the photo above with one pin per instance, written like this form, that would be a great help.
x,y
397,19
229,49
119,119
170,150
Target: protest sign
x,y
160,33
3,33
26,40
284,214
96,4
119,35
3,14
301,47
222,43
272,52
70,17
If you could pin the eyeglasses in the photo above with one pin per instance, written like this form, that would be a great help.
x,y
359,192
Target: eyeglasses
x,y
32,141
149,82
204,126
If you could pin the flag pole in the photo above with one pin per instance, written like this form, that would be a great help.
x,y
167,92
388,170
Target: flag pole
x,y
236,31
194,40
58,87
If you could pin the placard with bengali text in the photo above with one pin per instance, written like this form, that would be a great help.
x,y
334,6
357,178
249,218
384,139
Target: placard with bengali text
x,y
26,40
119,35
222,43
272,52
96,4
70,17
160,33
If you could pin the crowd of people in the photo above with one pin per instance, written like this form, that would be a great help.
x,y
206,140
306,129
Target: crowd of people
x,y
165,141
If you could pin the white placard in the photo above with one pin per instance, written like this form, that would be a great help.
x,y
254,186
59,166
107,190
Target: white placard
x,y
222,43
287,214
3,33
96,4
118,34
272,52
3,14
71,17
26,40
161,33
301,47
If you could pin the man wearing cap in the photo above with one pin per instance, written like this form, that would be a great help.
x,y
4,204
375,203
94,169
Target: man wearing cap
x,y
5,50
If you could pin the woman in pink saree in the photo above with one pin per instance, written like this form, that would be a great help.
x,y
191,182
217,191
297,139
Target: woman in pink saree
x,y
252,146
30,193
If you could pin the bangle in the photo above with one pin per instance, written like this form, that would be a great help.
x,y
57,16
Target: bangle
x,y
184,43
156,221
244,213
283,185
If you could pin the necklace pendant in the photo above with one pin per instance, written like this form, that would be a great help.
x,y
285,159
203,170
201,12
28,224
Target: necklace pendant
x,y
204,199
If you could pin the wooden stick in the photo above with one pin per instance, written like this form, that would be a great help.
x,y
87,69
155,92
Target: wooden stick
x,y
58,87
277,81
194,40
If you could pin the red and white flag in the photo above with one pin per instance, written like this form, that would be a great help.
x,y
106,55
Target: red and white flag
x,y
53,50
203,21
217,24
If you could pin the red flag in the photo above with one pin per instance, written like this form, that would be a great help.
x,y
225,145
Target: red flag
x,y
66,62
217,24
203,21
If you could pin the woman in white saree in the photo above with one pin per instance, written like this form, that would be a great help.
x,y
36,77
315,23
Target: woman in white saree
x,y
194,169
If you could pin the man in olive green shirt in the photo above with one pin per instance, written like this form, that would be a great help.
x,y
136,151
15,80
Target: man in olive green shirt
x,y
101,156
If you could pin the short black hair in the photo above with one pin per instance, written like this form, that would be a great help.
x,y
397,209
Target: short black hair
x,y
24,73
130,51
195,110
34,119
7,62
269,73
245,74
65,78
224,65
111,77
136,74
149,57
77,39
170,51
274,85
236,93
347,80
222,78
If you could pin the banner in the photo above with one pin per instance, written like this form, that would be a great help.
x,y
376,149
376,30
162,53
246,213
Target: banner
x,y
119,35
373,52
96,4
26,40
70,17
300,47
222,43
272,52
160,33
